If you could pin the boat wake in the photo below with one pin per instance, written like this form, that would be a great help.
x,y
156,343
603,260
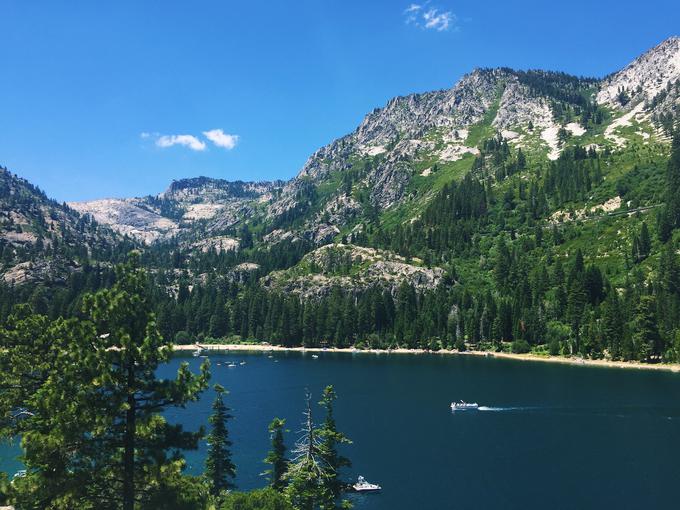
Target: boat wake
x,y
628,412
507,409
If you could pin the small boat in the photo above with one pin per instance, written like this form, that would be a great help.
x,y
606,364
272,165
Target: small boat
x,y
464,406
315,356
242,363
363,486
231,365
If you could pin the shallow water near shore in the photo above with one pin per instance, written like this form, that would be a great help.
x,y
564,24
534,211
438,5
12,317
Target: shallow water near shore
x,y
545,436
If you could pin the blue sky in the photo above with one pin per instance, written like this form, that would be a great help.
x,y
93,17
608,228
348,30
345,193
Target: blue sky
x,y
101,99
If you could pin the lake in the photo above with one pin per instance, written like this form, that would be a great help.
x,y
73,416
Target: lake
x,y
548,435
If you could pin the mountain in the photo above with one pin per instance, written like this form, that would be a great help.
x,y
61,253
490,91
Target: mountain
x,y
396,144
404,152
198,203
42,240
644,79
523,210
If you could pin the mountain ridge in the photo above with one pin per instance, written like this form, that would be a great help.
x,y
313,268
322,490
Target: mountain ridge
x,y
392,137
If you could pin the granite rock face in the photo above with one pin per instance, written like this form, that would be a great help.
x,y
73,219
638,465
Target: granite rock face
x,y
354,269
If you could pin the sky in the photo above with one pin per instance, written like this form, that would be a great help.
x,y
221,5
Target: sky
x,y
118,98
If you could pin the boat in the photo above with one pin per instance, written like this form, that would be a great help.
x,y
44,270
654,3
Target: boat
x,y
464,406
198,352
363,486
231,364
242,363
315,356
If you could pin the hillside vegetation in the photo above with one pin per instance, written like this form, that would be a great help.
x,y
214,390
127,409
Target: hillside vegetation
x,y
518,210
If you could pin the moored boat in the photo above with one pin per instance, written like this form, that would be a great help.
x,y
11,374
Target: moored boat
x,y
363,486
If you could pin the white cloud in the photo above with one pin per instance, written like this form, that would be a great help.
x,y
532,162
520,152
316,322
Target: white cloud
x,y
438,21
429,18
189,141
221,139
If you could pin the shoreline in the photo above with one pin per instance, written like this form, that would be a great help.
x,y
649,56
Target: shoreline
x,y
668,367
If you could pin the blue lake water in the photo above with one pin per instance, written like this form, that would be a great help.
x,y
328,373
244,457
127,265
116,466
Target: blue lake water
x,y
548,435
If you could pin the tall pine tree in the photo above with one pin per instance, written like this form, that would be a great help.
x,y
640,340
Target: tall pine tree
x,y
277,455
219,468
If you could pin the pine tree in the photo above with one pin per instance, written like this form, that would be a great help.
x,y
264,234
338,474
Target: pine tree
x,y
330,439
307,470
612,326
277,455
645,241
576,300
645,332
94,435
219,468
131,435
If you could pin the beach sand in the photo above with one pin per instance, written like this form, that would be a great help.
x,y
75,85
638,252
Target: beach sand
x,y
671,367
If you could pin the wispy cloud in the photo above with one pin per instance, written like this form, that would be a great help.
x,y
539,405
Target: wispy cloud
x,y
221,139
430,18
189,141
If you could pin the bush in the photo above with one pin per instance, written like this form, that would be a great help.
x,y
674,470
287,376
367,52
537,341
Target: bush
x,y
520,347
182,338
554,348
4,488
264,499
180,492
557,335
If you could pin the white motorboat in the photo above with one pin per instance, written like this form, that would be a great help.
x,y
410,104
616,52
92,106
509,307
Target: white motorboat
x,y
363,486
315,356
464,406
231,365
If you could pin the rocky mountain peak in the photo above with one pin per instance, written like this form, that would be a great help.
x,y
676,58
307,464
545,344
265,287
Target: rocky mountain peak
x,y
644,78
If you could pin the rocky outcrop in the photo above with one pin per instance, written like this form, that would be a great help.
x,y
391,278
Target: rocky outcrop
x,y
41,270
644,78
353,269
518,107
214,204
129,217
41,239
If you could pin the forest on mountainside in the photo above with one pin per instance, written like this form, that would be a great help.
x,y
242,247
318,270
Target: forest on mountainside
x,y
517,278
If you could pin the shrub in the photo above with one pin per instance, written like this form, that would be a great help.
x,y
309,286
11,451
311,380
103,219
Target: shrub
x,y
264,499
182,338
520,347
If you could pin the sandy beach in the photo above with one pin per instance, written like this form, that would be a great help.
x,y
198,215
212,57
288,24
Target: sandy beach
x,y
669,367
